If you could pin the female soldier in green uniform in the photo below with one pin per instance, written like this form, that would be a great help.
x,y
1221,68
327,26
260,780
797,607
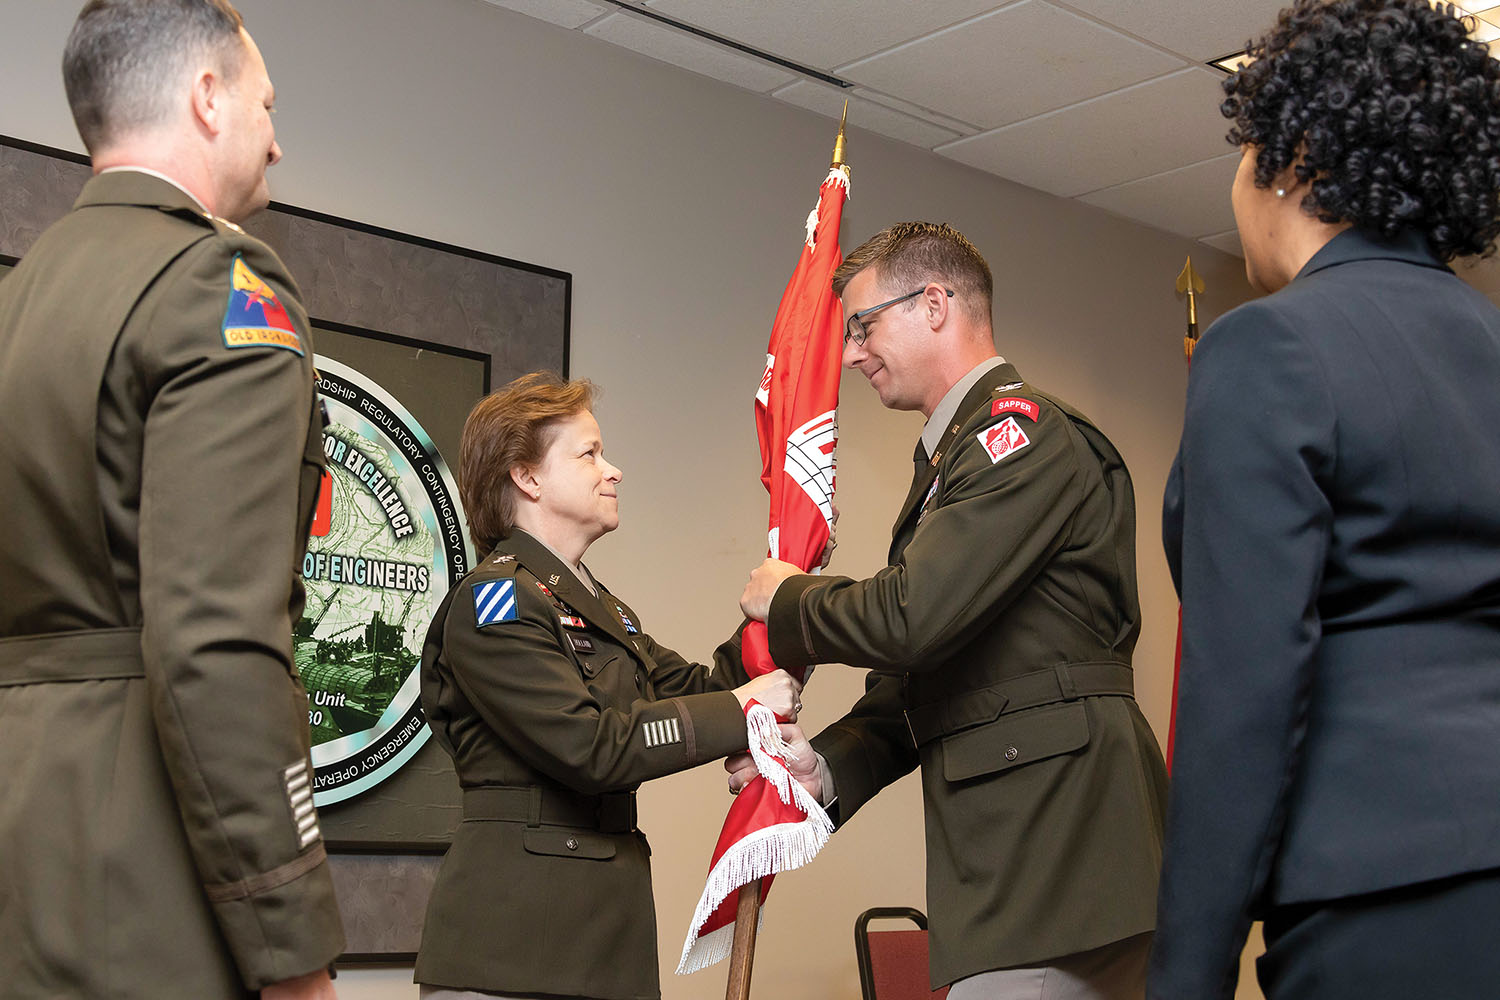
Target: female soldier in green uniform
x,y
555,705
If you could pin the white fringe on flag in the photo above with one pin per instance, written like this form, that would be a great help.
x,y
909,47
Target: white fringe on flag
x,y
713,947
837,176
766,851
766,745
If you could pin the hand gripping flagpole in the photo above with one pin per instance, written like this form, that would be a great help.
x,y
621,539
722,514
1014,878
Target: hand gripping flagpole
x,y
774,825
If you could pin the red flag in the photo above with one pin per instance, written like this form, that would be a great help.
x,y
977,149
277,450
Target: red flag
x,y
774,825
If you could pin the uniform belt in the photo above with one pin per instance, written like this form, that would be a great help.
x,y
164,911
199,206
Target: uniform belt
x,y
1040,687
613,812
81,655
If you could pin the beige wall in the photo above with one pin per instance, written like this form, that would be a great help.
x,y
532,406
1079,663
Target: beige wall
x,y
678,205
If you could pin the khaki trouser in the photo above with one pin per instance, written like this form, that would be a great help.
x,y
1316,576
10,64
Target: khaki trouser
x,y
1114,972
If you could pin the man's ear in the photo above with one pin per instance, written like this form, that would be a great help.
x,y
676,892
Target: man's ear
x,y
208,101
935,303
525,479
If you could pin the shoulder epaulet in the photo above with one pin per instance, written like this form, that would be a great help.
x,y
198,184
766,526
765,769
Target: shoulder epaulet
x,y
497,564
1001,434
1015,398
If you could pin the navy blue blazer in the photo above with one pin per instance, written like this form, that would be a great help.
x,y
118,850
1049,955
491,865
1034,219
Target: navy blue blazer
x,y
1332,522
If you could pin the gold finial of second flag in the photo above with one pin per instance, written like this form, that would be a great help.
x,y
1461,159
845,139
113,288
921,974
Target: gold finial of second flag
x,y
1190,283
838,144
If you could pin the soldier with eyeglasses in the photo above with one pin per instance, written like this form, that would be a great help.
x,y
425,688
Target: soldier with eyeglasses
x,y
999,642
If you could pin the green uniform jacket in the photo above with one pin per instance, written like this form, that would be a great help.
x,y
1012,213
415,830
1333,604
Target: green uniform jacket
x,y
555,706
158,473
1000,635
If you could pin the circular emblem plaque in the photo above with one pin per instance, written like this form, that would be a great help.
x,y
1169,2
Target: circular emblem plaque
x,y
387,544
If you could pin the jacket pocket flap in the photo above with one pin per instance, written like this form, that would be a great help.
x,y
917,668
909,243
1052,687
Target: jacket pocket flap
x,y
591,663
567,843
1013,740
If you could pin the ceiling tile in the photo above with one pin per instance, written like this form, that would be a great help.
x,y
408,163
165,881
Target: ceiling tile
x,y
1188,201
1012,64
1198,29
907,107
1122,136
690,52
822,35
829,101
1228,242
567,13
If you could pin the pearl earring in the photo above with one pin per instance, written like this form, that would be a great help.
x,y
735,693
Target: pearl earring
x,y
1281,192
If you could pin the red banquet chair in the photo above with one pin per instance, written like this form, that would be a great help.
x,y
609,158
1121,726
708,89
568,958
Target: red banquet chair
x,y
893,963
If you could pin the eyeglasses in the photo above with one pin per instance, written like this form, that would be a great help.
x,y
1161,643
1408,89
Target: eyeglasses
x,y
856,331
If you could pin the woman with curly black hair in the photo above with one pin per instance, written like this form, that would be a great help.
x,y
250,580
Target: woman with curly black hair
x,y
1333,526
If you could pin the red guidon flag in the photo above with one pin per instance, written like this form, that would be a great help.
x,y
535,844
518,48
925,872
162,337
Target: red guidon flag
x,y
774,825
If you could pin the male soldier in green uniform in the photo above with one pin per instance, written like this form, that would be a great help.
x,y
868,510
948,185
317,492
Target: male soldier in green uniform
x,y
1000,635
158,472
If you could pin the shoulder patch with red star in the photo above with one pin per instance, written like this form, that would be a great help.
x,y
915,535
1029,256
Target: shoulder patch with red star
x,y
254,316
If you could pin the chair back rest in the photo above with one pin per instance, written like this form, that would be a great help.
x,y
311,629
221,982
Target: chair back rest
x,y
893,963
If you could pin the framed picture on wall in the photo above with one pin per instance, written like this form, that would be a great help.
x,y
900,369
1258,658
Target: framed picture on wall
x,y
409,333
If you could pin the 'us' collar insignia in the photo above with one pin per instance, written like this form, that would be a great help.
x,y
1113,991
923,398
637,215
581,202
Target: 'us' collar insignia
x,y
553,579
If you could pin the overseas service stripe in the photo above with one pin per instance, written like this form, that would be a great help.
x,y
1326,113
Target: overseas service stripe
x,y
299,798
662,732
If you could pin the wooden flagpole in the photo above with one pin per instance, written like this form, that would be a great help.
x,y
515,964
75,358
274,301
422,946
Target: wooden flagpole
x,y
743,956
747,914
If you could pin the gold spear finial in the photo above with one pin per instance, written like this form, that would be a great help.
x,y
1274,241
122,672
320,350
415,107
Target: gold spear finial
x,y
838,144
1190,283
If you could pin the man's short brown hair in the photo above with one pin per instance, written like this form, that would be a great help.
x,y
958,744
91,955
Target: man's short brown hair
x,y
909,255
124,57
511,426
